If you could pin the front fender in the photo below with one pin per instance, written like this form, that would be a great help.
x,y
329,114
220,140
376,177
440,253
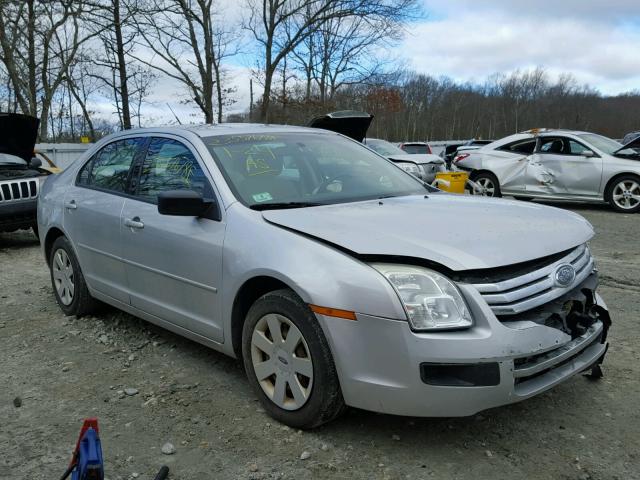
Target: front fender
x,y
318,273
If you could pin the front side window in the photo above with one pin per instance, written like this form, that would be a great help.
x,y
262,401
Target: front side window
x,y
170,165
577,148
552,145
306,168
109,168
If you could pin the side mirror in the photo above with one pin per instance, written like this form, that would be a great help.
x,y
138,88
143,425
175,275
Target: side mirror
x,y
35,162
184,203
588,153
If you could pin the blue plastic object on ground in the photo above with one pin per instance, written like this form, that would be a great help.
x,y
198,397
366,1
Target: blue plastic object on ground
x,y
89,466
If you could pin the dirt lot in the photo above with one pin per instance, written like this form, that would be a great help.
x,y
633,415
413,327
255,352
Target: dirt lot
x,y
64,369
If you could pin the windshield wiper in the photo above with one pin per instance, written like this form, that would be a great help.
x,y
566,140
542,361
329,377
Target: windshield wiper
x,y
283,205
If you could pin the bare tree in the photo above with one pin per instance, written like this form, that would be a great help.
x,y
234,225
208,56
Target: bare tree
x,y
38,43
111,19
189,45
280,26
347,50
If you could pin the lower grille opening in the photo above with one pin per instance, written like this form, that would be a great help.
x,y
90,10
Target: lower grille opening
x,y
460,375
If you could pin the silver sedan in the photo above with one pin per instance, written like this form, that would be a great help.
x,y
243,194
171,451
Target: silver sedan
x,y
337,278
558,165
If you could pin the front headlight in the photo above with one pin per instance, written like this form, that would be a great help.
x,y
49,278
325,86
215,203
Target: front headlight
x,y
411,168
431,300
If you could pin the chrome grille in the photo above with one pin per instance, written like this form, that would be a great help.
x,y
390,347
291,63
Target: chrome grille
x,y
524,292
23,189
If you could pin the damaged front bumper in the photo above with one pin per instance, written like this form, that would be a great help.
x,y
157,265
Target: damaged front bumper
x,y
386,367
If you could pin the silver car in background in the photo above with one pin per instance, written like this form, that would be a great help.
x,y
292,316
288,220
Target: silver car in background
x,y
425,166
335,276
558,165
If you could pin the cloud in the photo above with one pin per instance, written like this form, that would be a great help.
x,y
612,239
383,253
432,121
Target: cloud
x,y
471,40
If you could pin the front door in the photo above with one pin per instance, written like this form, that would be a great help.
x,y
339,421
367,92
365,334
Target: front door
x,y
173,263
563,166
92,208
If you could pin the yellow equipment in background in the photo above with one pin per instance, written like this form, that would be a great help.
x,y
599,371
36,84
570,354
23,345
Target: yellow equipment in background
x,y
453,182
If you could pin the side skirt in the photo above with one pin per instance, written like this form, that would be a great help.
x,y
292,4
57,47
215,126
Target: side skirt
x,y
183,332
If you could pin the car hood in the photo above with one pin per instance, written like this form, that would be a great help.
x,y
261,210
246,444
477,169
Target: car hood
x,y
456,231
416,158
346,122
19,134
633,144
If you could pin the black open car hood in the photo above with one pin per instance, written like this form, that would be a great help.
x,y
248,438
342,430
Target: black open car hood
x,y
18,134
634,144
347,122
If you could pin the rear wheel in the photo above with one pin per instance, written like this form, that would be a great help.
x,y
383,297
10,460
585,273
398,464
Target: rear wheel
x,y
488,183
69,287
288,361
624,194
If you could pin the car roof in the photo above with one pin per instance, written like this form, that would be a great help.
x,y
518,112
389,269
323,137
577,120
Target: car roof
x,y
210,130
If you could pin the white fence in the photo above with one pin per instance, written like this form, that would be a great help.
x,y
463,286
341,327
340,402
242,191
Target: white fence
x,y
63,154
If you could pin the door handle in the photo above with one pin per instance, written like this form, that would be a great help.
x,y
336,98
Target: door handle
x,y
71,205
133,222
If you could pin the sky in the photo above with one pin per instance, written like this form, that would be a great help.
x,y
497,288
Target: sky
x,y
597,41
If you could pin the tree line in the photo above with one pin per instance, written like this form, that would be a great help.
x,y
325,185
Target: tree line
x,y
60,59
414,106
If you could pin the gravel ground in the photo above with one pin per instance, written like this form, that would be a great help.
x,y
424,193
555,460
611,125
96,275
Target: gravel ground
x,y
149,387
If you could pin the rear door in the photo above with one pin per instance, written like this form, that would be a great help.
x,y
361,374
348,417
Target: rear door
x,y
563,166
508,162
173,263
92,215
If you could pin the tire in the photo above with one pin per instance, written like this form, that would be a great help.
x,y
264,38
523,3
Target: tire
x,y
318,397
65,273
623,194
523,199
490,184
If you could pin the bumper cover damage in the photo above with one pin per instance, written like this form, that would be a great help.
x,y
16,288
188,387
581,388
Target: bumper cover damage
x,y
459,373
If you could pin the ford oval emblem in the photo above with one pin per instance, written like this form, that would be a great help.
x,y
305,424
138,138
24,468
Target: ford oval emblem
x,y
565,275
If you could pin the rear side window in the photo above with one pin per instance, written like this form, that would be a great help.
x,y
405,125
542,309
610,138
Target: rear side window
x,y
109,168
526,146
170,165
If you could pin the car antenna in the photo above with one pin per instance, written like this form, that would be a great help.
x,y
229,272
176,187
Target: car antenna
x,y
174,114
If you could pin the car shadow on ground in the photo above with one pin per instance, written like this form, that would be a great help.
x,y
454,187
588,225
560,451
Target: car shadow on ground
x,y
16,240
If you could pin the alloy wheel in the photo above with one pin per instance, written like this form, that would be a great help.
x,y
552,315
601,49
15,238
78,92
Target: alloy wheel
x,y
282,361
63,276
487,188
626,194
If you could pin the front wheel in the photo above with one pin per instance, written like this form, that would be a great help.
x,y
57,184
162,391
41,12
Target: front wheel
x,y
288,361
624,194
488,183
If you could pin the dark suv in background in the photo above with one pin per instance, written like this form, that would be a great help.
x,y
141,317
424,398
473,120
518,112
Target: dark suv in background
x,y
21,174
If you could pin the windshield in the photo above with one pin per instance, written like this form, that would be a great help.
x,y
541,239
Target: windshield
x,y
384,148
604,144
415,149
303,169
6,159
